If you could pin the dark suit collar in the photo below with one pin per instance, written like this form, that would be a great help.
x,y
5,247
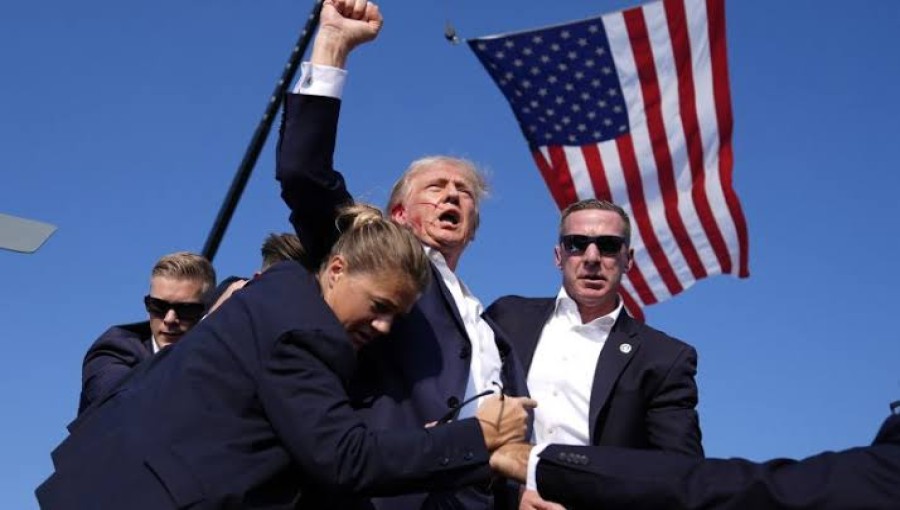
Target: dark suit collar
x,y
448,297
544,310
141,331
620,348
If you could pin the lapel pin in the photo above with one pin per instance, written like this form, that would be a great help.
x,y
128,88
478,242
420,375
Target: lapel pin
x,y
625,348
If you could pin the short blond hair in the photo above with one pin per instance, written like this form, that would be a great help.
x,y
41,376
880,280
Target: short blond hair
x,y
372,243
184,265
281,247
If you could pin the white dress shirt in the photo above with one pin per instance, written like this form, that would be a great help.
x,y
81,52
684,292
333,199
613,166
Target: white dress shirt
x,y
562,372
484,364
319,80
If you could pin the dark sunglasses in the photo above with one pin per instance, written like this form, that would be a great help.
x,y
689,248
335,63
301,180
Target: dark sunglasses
x,y
185,311
576,244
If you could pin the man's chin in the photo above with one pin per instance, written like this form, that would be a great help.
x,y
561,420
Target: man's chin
x,y
170,338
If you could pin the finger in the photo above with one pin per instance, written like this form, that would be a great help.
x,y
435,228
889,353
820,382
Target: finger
x,y
373,14
529,403
358,9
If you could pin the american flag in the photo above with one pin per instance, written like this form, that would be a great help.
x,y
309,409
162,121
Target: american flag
x,y
634,107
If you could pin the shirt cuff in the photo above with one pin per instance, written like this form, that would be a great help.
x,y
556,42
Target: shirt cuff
x,y
319,80
531,476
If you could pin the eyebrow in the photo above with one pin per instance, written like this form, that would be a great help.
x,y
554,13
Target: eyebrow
x,y
387,303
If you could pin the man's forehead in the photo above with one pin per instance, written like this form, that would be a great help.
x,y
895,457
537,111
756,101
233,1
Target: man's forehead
x,y
444,171
174,281
594,218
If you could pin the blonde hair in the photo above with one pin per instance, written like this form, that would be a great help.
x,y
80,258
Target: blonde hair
x,y
474,175
372,243
184,265
281,247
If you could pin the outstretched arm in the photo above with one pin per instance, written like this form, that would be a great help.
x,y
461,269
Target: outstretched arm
x,y
310,186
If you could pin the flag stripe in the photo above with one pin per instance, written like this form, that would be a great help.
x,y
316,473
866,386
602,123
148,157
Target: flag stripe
x,y
635,189
653,285
637,280
560,183
578,169
597,171
678,33
658,30
631,306
642,234
707,120
715,11
646,69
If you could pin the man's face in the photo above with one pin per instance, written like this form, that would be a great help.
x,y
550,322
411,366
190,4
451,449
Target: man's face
x,y
440,208
168,328
366,304
590,277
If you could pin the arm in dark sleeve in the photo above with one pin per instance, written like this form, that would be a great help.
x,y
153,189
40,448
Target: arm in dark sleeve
x,y
310,186
109,360
672,421
606,477
308,407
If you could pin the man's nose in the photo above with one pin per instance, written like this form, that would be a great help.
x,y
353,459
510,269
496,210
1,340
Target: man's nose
x,y
592,254
170,316
382,324
451,194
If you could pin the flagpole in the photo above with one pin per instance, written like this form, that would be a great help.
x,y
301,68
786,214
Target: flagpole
x,y
226,211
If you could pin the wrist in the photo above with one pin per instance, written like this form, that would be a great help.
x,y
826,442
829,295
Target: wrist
x,y
330,49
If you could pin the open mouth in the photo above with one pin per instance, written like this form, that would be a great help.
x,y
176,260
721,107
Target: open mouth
x,y
450,217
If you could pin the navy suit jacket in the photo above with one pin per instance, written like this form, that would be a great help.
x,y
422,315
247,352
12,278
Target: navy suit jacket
x,y
418,371
642,397
603,477
111,358
246,411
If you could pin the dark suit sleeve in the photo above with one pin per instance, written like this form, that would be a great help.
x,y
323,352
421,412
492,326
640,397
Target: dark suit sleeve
x,y
606,477
309,409
672,421
107,362
310,186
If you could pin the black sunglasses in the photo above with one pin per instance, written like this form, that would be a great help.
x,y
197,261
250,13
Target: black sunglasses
x,y
185,311
575,244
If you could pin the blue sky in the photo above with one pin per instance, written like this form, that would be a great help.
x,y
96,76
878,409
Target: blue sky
x,y
123,124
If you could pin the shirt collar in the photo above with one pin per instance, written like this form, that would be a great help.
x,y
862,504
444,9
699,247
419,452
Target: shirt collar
x,y
566,307
437,258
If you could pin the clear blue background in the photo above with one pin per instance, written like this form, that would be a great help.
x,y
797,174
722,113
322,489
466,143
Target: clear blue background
x,y
123,123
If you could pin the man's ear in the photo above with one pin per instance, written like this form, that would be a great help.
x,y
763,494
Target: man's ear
x,y
398,214
630,261
557,256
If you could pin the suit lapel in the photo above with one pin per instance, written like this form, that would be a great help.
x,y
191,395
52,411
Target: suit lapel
x,y
435,303
536,320
449,302
617,352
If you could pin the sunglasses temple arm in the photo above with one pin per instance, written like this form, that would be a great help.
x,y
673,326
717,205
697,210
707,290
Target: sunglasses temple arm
x,y
453,413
